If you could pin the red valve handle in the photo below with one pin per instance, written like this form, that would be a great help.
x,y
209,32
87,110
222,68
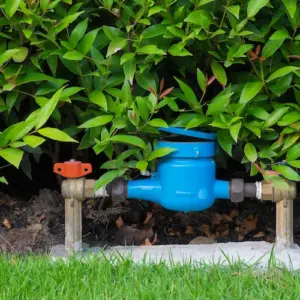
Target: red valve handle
x,y
72,169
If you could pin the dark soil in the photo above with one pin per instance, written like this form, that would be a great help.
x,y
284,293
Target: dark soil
x,y
38,224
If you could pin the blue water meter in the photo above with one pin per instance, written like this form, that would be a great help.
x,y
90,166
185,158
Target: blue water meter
x,y
185,179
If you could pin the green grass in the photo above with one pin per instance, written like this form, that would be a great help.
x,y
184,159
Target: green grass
x,y
32,277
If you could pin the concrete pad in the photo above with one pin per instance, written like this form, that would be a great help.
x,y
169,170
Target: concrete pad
x,y
258,254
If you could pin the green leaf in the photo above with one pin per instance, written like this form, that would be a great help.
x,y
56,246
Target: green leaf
x,y
225,141
160,152
99,99
151,50
68,92
129,68
201,80
275,116
21,55
281,34
7,55
258,112
97,121
33,141
153,31
278,182
219,72
219,104
142,165
78,32
291,140
250,90
256,130
188,92
282,72
155,9
254,6
65,22
107,178
234,130
200,17
294,163
129,139
48,109
179,50
127,56
250,152
73,55
289,118
197,121
17,144
12,156
291,7
271,47
287,172
56,135
87,42
3,180
235,10
293,153
158,123
116,45
11,6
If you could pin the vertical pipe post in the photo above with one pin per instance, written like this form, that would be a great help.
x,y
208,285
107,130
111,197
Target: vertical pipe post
x,y
284,223
284,199
73,225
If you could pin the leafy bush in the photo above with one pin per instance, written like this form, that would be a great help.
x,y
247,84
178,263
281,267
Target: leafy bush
x,y
109,73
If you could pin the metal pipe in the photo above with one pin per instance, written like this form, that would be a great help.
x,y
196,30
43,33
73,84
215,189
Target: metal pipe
x,y
284,211
284,223
73,225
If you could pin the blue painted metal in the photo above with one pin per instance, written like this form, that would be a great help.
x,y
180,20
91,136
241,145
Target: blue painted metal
x,y
185,179
191,133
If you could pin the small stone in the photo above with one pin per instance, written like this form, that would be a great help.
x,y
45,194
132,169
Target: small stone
x,y
202,240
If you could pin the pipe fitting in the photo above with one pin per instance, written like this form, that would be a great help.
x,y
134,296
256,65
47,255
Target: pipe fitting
x,y
81,189
118,189
274,194
239,190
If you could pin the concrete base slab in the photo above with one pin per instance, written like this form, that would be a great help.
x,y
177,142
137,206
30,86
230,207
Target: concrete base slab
x,y
258,254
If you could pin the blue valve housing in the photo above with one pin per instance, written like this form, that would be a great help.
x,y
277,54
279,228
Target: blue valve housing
x,y
185,180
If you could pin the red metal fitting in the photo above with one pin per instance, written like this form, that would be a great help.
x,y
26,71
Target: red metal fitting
x,y
72,169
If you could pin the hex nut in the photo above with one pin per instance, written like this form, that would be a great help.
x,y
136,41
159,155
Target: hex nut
x,y
237,190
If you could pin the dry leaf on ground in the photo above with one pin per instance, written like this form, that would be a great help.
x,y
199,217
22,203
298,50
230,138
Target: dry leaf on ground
x,y
226,218
189,230
234,213
250,224
7,223
205,229
259,234
217,218
146,243
148,217
119,222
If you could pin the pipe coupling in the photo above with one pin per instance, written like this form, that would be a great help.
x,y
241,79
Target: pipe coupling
x,y
80,189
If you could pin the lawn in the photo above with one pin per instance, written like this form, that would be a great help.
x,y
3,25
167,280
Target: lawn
x,y
37,277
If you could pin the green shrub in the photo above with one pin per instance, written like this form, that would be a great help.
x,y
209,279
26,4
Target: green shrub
x,y
109,73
